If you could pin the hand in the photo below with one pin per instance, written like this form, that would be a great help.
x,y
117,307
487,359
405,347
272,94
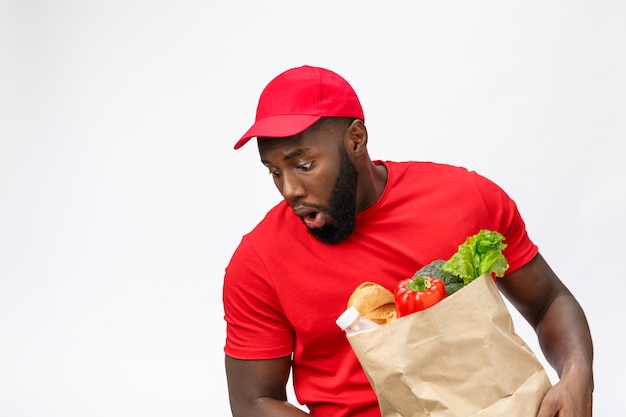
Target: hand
x,y
570,397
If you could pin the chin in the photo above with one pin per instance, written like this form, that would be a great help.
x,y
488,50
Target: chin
x,y
331,234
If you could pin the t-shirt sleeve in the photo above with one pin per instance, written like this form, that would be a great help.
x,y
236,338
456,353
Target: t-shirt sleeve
x,y
508,221
256,327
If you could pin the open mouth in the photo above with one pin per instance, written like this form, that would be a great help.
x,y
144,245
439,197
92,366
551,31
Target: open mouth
x,y
312,219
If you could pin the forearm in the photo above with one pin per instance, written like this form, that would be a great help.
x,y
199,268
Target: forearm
x,y
265,407
258,388
565,339
563,335
556,316
271,407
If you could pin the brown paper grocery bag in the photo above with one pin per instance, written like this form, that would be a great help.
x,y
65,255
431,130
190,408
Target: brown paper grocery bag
x,y
460,357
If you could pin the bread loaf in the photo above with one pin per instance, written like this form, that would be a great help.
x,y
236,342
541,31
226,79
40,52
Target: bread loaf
x,y
374,302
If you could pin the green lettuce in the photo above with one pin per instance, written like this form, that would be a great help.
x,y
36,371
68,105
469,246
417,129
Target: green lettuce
x,y
480,254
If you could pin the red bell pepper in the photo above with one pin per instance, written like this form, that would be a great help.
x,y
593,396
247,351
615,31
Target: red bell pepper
x,y
419,293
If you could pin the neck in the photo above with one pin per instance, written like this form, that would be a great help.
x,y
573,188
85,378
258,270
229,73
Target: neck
x,y
372,181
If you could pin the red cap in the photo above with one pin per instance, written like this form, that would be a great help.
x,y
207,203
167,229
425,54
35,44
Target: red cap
x,y
299,97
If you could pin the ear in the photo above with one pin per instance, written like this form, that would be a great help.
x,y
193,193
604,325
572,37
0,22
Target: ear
x,y
355,139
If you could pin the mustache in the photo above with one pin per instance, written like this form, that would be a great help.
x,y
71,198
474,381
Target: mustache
x,y
312,206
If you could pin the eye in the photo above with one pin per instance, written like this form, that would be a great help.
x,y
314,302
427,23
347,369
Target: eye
x,y
305,167
274,173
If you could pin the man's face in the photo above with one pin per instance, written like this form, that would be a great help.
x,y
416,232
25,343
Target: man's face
x,y
316,177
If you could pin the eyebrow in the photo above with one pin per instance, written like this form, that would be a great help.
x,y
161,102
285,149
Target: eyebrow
x,y
290,155
295,153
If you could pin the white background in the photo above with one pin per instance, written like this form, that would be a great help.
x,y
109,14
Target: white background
x,y
121,198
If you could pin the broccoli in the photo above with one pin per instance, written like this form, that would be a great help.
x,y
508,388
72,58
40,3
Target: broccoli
x,y
433,269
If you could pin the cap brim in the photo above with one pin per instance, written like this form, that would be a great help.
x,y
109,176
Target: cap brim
x,y
281,126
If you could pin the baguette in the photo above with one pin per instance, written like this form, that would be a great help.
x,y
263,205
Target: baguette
x,y
374,302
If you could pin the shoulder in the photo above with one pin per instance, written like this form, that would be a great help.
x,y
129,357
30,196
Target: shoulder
x,y
433,177
279,222
426,169
278,229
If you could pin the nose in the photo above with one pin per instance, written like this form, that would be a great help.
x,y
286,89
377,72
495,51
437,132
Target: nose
x,y
291,188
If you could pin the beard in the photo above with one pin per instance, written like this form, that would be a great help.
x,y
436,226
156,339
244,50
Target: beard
x,y
341,205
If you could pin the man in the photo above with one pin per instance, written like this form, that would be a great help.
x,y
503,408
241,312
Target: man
x,y
346,219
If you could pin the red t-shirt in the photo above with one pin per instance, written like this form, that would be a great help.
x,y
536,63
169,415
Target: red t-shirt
x,y
283,289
